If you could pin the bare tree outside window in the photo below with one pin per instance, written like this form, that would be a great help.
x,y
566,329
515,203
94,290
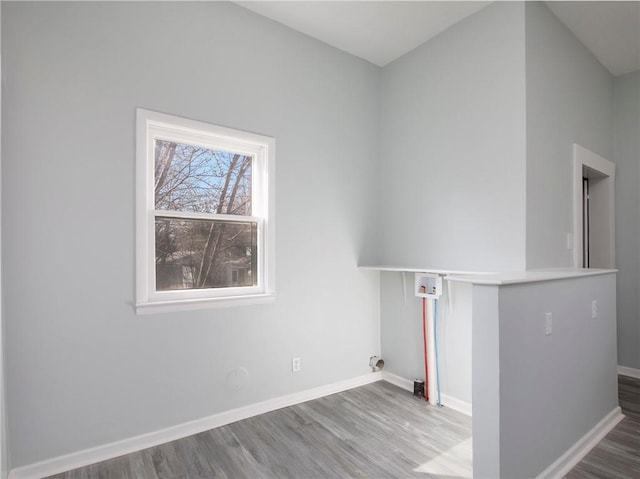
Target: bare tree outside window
x,y
203,253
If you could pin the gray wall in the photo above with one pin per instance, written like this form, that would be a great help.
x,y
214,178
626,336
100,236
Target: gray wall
x,y
453,148
4,458
486,381
550,390
626,155
454,200
83,369
451,179
569,100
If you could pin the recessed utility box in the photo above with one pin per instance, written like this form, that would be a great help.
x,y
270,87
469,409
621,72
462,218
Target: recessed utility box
x,y
428,285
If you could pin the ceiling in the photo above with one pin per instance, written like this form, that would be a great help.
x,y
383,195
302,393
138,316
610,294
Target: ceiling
x,y
381,31
611,30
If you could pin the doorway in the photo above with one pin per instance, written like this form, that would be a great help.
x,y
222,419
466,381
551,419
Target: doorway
x,y
594,217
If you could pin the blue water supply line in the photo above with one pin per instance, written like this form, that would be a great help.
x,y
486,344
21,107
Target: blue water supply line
x,y
435,340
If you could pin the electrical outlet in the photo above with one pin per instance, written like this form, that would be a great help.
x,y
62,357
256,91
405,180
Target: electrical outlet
x,y
296,365
594,309
548,326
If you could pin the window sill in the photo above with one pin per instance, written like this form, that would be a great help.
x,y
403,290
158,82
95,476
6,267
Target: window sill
x,y
205,303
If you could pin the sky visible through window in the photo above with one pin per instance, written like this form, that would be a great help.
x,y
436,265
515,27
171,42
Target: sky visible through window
x,y
201,180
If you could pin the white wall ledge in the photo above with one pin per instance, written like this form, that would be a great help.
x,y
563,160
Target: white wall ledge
x,y
530,276
499,278
411,269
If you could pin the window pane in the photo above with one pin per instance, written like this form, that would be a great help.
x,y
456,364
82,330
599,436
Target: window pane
x,y
195,254
196,179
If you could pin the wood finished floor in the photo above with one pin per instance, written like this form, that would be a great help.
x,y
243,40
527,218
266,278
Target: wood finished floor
x,y
617,456
374,431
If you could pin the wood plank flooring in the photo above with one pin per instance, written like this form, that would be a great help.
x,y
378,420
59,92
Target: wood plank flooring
x,y
617,456
374,431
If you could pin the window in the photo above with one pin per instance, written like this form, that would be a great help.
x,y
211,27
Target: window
x,y
204,215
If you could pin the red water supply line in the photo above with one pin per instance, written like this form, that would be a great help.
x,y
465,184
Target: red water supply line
x,y
424,342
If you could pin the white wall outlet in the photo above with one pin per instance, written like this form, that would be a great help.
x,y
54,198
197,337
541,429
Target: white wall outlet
x,y
548,325
594,309
296,365
569,240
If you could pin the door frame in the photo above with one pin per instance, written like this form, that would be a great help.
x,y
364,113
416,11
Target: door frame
x,y
603,203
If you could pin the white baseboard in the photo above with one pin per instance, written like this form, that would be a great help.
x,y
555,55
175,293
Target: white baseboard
x,y
85,457
447,401
576,453
631,372
396,380
456,404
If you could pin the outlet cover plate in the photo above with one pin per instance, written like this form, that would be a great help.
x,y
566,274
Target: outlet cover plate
x,y
296,365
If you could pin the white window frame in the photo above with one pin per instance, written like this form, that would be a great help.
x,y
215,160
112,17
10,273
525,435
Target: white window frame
x,y
151,125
